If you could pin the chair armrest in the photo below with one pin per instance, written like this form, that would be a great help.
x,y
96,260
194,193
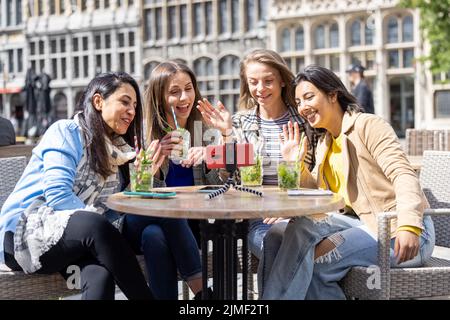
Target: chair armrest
x,y
384,234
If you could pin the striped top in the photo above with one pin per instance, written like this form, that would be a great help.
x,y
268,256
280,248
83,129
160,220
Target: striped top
x,y
248,127
270,131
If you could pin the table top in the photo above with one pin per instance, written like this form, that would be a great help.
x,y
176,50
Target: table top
x,y
189,203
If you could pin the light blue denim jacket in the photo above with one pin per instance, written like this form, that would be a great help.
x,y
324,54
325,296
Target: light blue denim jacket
x,y
50,173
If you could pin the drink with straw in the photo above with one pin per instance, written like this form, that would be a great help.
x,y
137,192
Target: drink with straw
x,y
141,173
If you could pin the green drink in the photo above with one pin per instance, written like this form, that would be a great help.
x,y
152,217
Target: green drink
x,y
252,175
288,175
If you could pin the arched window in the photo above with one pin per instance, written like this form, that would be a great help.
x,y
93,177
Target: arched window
x,y
299,39
203,68
407,30
148,68
286,40
60,105
229,81
368,32
229,65
392,36
319,37
78,96
334,36
355,33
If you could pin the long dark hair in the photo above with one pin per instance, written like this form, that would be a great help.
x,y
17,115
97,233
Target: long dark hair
x,y
328,82
93,126
155,101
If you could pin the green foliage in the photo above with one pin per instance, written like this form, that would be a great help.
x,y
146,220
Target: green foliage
x,y
252,175
435,27
288,175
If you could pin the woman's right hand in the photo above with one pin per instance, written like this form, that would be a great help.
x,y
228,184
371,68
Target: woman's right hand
x,y
218,118
156,155
293,145
172,143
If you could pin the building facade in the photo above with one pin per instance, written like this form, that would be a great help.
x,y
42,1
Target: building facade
x,y
72,40
12,59
382,37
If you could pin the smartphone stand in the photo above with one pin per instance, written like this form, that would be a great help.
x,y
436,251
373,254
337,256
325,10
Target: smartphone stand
x,y
231,167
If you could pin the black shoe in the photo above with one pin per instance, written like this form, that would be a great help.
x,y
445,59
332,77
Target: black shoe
x,y
209,295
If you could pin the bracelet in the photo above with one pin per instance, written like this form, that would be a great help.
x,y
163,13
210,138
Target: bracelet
x,y
226,136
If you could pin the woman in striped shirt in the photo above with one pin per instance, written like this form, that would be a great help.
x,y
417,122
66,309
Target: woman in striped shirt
x,y
266,103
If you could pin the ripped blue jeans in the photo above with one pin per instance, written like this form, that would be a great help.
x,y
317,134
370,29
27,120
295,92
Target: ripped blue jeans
x,y
287,269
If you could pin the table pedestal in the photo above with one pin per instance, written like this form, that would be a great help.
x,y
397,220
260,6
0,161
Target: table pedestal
x,y
224,235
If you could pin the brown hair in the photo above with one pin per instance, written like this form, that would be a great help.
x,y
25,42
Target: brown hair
x,y
274,60
155,102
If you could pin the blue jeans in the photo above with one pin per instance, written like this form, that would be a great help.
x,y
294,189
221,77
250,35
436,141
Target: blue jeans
x,y
256,232
290,272
169,247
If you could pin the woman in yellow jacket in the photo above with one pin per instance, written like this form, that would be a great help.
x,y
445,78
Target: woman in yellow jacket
x,y
360,158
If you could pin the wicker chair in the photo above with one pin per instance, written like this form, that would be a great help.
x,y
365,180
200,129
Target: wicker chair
x,y
17,285
431,280
10,171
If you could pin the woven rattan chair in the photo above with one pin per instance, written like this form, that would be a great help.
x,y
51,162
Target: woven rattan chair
x,y
10,171
17,285
431,280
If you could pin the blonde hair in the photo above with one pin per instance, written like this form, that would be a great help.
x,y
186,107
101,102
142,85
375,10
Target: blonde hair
x,y
271,59
155,102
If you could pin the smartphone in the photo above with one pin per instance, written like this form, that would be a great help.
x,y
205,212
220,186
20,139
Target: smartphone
x,y
209,189
155,194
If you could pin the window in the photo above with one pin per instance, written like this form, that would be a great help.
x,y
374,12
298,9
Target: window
x,y
37,55
393,59
299,39
197,19
319,37
334,36
355,33
80,57
58,57
148,25
148,68
285,40
392,30
203,68
223,16
158,23
229,81
250,15
208,18
262,5
407,29
400,29
368,33
103,52
442,104
183,21
235,16
127,56
172,25
408,57
153,24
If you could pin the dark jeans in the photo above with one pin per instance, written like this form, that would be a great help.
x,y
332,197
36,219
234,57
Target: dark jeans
x,y
168,246
99,250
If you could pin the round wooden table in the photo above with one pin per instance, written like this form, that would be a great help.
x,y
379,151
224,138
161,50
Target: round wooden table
x,y
225,230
